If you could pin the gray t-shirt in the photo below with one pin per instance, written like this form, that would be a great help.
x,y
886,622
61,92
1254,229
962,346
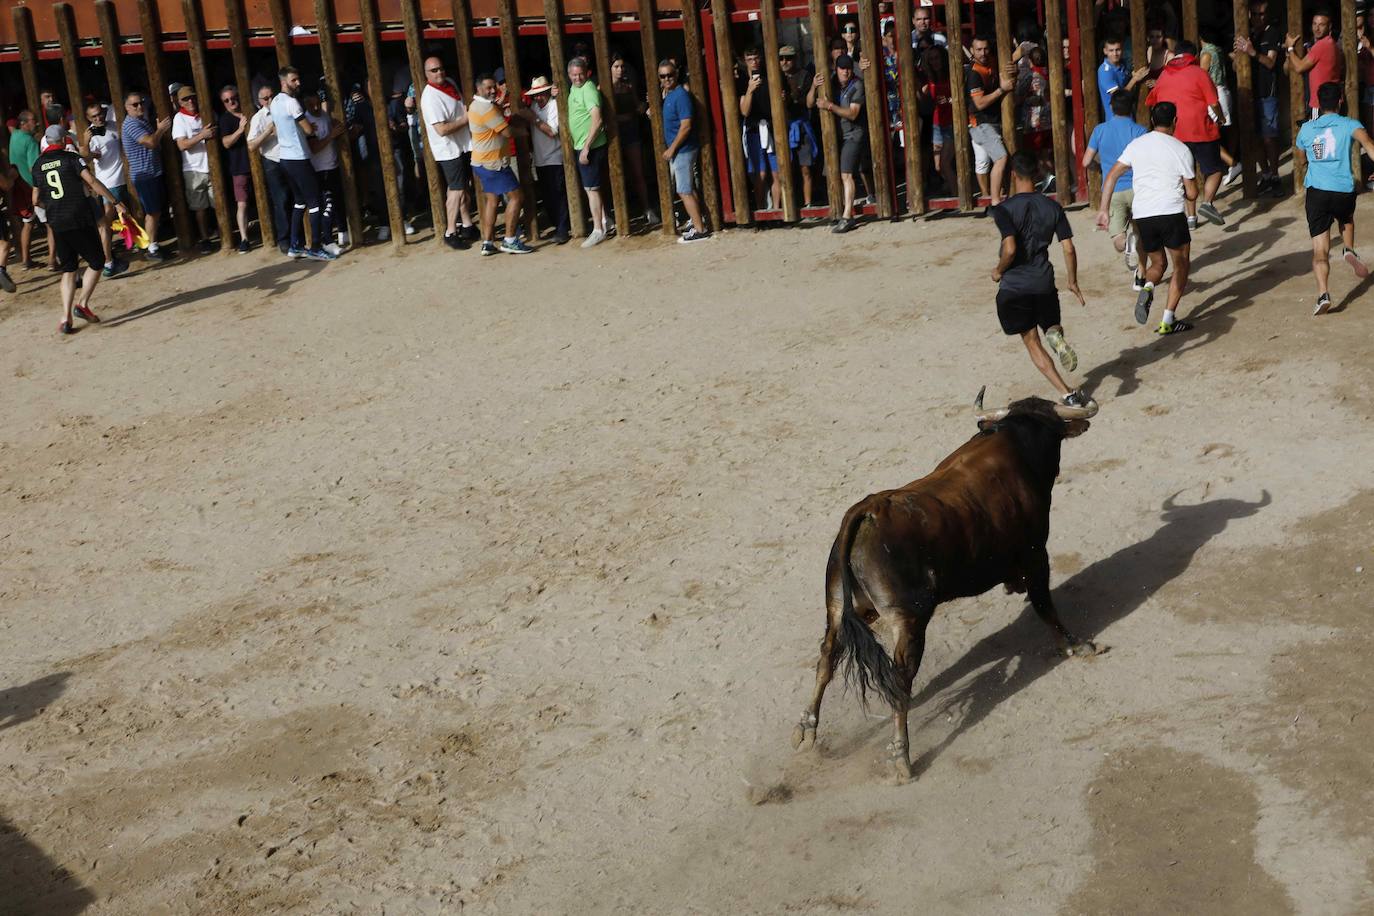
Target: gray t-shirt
x,y
854,92
1035,221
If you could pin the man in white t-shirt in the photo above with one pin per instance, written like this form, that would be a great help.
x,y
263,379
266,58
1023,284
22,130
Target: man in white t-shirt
x,y
101,148
190,134
548,155
262,140
294,130
450,140
1163,179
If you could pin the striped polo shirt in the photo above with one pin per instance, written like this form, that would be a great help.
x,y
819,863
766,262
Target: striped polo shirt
x,y
489,134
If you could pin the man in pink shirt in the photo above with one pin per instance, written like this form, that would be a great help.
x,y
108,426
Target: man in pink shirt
x,y
1322,63
1192,92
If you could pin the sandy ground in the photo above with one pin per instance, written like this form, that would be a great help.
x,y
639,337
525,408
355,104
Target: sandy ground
x,y
427,583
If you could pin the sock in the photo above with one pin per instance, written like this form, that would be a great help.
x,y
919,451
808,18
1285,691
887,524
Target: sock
x,y
109,264
152,246
1168,316
510,240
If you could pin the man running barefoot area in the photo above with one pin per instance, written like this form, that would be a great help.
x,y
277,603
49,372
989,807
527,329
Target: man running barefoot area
x,y
1325,144
61,180
1027,299
1193,94
1163,181
293,146
1105,145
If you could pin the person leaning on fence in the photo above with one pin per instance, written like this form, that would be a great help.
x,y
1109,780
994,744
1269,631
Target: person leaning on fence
x,y
1322,61
100,147
491,145
760,146
262,140
848,108
1262,46
143,150
1105,145
1112,76
588,133
24,150
294,131
986,90
446,131
801,139
923,34
547,149
233,137
324,159
190,132
681,152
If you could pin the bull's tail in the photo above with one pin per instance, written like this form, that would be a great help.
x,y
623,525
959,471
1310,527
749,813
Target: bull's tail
x,y
867,665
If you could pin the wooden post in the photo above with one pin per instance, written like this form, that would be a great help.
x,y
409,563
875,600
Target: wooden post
x,y
1138,55
281,31
162,105
1350,44
1190,30
1088,50
367,15
875,107
601,40
66,36
911,121
768,16
348,171
830,144
958,104
238,46
1243,107
701,111
195,42
577,211
462,45
729,97
410,16
648,41
109,49
1054,36
28,56
1002,19
510,59
1298,98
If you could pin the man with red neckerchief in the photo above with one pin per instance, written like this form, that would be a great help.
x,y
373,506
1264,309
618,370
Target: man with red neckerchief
x,y
450,139
1194,95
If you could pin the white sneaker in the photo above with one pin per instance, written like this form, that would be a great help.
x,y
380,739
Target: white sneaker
x,y
410,230
1231,175
1132,258
332,248
343,239
594,239
652,218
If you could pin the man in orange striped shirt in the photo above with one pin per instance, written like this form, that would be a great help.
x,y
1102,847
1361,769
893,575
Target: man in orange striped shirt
x,y
491,141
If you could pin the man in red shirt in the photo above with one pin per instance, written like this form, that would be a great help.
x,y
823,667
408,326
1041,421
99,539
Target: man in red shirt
x,y
1323,61
1192,92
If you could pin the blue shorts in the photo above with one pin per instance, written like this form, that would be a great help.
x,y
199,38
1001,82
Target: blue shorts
x,y
684,167
754,151
941,137
496,181
596,164
1267,114
152,193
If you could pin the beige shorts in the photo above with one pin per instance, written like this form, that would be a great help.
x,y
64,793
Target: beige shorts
x,y
1120,213
198,196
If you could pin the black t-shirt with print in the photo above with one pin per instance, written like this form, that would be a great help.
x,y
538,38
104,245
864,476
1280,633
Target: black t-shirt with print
x,y
61,191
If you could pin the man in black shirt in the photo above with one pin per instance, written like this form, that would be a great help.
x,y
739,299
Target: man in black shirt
x,y
233,133
1263,48
759,143
60,180
1027,299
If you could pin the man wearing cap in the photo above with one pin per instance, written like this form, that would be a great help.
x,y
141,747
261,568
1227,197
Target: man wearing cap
x,y
190,133
801,139
587,130
63,180
491,135
681,152
848,108
548,155
450,140
143,149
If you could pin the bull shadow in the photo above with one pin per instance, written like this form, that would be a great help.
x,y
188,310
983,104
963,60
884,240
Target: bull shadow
x,y
1089,602
22,703
31,882
271,280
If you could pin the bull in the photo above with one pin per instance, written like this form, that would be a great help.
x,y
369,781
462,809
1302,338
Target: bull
x,y
980,519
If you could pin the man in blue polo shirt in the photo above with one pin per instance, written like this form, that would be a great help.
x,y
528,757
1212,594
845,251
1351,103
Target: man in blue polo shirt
x,y
1105,145
142,141
1113,77
1325,144
681,154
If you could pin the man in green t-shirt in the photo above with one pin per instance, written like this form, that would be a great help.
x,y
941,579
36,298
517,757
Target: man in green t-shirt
x,y
588,132
23,154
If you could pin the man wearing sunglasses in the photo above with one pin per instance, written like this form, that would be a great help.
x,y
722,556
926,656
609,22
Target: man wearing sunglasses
x,y
262,139
190,132
681,154
450,139
143,148
233,134
100,148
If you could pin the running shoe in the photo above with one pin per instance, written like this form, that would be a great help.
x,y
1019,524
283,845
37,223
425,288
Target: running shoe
x,y
561,238
1211,214
409,229
66,328
1173,328
1077,398
155,254
85,314
244,247
843,225
488,248
1067,358
1192,224
1137,282
1142,304
470,233
1231,175
591,241
455,241
1323,305
516,247
319,254
1132,256
115,269
1355,263
6,281
691,235
295,254
332,248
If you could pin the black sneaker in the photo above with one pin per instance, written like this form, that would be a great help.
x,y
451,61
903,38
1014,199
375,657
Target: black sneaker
x,y
843,225
207,246
691,235
1323,305
455,241
470,233
156,256
1077,398
6,281
1142,304
244,247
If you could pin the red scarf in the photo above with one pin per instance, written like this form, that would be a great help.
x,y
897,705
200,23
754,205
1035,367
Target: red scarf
x,y
447,88
54,149
188,112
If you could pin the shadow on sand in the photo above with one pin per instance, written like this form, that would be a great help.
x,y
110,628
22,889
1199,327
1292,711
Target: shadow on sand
x,y
271,280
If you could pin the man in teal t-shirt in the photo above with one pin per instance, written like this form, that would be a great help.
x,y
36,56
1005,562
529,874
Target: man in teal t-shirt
x,y
23,154
588,132
1325,143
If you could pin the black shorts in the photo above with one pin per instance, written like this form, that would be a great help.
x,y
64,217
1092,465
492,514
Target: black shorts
x,y
853,155
1155,233
1327,207
1208,156
74,245
1020,312
456,171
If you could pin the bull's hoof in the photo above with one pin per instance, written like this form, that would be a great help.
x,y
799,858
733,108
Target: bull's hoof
x,y
899,761
803,738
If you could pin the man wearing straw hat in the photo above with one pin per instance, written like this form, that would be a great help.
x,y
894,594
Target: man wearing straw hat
x,y
548,155
448,135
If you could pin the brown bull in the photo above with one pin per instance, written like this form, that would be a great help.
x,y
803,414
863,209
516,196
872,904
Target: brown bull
x,y
980,519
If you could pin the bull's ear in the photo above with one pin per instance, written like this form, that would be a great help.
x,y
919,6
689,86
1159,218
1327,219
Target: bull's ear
x,y
1075,428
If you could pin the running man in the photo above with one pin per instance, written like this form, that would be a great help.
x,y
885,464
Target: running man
x,y
1163,181
1198,111
1105,145
1027,300
61,179
1325,144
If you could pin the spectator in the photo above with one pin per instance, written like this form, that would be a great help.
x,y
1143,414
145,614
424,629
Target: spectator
x,y
1113,77
62,193
923,35
848,108
262,139
1105,145
1157,50
233,135
446,131
1194,97
986,90
142,140
1211,60
681,151
1262,46
1033,113
850,33
759,149
630,106
23,154
801,139
51,112
935,88
1365,62
294,131
190,133
404,166
491,134
1322,61
548,156
588,135
324,159
101,148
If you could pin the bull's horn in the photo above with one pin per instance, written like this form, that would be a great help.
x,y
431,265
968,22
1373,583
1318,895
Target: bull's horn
x,y
987,416
1077,413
